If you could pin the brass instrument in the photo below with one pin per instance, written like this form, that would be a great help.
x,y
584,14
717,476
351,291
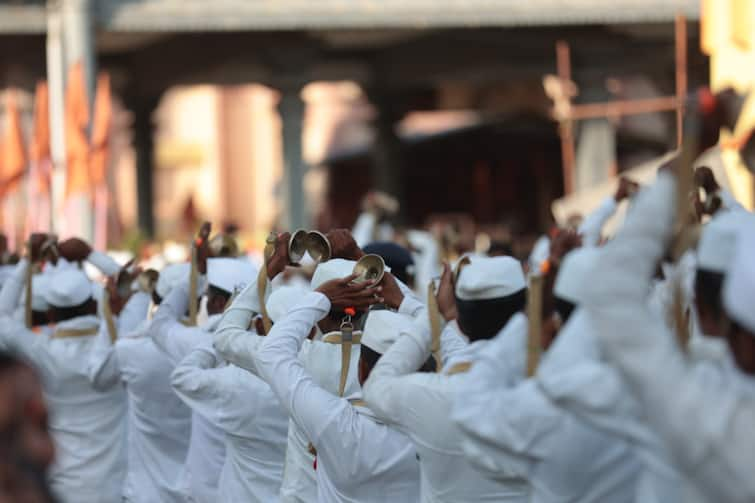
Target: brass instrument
x,y
313,242
370,267
223,245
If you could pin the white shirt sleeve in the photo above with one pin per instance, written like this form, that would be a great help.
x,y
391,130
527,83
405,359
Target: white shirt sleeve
x,y
16,338
311,407
427,259
133,313
198,383
10,295
394,389
104,263
704,424
729,202
364,229
232,340
592,226
169,334
102,366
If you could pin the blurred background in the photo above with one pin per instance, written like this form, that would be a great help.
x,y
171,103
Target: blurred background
x,y
129,121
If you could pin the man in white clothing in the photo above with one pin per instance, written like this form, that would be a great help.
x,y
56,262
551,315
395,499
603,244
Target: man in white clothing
x,y
705,420
159,423
358,457
87,425
519,430
488,293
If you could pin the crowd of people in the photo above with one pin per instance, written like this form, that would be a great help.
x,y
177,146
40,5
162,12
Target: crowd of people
x,y
598,370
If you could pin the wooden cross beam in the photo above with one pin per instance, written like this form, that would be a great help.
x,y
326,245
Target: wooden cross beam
x,y
562,89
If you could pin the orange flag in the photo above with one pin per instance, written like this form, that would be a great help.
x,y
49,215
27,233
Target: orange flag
x,y
13,162
103,113
39,149
77,143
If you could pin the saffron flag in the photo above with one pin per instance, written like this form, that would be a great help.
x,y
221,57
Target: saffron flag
x,y
76,123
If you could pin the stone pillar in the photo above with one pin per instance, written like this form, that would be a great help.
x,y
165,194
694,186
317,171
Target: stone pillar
x,y
596,146
56,86
78,24
144,146
387,156
291,109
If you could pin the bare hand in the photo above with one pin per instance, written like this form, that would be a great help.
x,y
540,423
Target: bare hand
x,y
36,241
705,179
203,246
626,188
74,250
391,291
564,242
343,245
117,300
344,293
277,263
446,297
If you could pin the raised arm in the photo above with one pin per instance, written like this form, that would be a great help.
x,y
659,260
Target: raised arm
x,y
232,340
10,295
170,335
199,384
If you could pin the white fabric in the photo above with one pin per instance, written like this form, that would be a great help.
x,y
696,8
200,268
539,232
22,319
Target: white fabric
x,y
234,343
420,405
106,264
39,285
358,458
282,300
382,328
539,254
87,426
206,454
170,277
739,284
518,431
490,278
715,250
427,259
254,423
68,287
574,273
158,422
335,268
705,422
592,226
230,274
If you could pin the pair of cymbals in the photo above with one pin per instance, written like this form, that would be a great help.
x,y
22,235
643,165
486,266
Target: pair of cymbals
x,y
313,242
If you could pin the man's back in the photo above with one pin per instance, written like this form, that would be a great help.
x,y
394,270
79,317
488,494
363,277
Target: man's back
x,y
159,423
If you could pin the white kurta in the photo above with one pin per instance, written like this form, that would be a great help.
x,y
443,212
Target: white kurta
x,y
206,455
420,404
519,430
359,459
255,424
592,226
158,422
706,422
322,361
87,426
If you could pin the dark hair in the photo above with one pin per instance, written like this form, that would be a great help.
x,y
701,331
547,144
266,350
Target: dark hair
x,y
156,297
563,307
39,318
483,319
86,308
371,358
213,291
708,285
500,248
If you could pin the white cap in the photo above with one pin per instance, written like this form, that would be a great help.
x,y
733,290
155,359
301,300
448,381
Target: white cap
x,y
718,241
335,268
170,277
382,328
68,287
574,273
739,285
282,300
39,285
230,274
490,278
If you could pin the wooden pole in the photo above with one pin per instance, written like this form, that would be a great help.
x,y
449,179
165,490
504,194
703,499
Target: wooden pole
x,y
535,315
568,156
680,36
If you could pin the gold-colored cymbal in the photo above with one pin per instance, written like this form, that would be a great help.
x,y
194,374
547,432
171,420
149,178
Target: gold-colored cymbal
x,y
369,268
223,245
